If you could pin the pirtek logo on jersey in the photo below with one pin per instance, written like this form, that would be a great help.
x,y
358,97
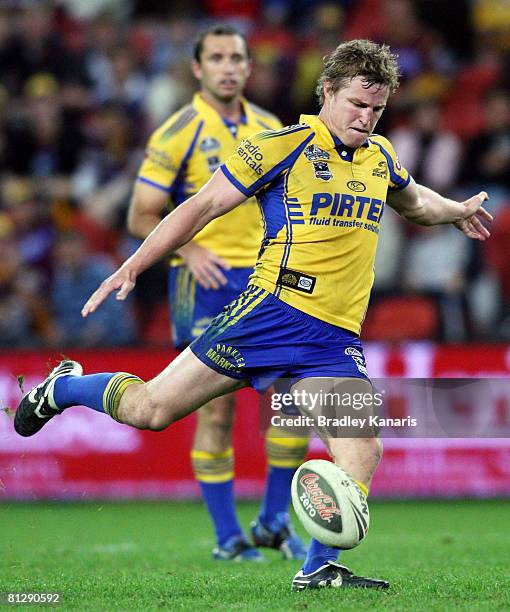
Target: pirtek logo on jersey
x,y
347,205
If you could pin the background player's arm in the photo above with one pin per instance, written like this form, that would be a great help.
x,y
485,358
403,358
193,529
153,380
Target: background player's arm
x,y
424,206
145,209
216,198
144,214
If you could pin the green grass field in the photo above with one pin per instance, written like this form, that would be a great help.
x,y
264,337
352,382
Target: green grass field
x,y
148,556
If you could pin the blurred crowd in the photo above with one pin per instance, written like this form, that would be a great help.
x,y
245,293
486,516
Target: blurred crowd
x,y
83,84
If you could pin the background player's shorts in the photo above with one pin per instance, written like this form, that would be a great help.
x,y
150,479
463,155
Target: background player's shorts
x,y
193,307
259,338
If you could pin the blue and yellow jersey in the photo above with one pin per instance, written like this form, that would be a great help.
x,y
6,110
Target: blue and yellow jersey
x,y
322,204
182,155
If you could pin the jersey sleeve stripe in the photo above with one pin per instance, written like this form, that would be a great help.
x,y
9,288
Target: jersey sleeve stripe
x,y
282,132
264,125
234,181
154,184
402,185
187,115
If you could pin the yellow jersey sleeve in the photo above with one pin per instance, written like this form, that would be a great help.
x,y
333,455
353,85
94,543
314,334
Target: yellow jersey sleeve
x,y
399,177
260,158
167,149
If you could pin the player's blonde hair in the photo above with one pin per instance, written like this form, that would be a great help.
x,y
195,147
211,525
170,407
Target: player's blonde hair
x,y
376,64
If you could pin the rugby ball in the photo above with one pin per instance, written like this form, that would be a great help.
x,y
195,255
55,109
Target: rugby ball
x,y
330,505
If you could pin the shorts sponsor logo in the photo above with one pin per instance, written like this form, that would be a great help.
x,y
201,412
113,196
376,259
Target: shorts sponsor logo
x,y
296,280
322,171
360,364
356,186
314,153
350,350
398,165
318,501
226,357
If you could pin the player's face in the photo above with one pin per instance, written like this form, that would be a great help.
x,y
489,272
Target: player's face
x,y
354,110
224,67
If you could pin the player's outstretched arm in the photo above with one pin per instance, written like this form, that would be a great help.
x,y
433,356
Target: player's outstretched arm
x,y
216,198
423,206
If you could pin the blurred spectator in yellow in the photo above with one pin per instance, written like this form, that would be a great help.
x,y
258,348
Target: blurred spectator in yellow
x,y
492,19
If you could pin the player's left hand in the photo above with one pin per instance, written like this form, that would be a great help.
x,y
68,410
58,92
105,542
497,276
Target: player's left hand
x,y
471,225
122,281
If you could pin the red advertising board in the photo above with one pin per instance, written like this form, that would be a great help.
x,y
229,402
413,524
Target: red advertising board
x,y
85,454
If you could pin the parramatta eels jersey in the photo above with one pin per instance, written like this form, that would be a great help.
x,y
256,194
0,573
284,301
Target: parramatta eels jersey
x,y
322,204
181,156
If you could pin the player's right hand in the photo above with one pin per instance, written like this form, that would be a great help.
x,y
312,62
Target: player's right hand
x,y
206,267
122,281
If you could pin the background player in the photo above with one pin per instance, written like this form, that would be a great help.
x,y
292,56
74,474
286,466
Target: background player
x,y
316,230
210,271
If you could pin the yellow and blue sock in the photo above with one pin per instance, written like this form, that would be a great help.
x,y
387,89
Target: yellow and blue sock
x,y
101,392
215,475
285,453
318,554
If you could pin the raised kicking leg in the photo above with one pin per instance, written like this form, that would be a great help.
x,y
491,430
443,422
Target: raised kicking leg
x,y
182,387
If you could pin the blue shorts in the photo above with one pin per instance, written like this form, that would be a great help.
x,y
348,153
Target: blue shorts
x,y
193,307
259,338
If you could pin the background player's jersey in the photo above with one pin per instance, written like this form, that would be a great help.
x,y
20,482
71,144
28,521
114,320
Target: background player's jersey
x,y
182,155
322,204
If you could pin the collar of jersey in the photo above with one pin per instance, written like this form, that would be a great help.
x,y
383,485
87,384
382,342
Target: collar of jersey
x,y
329,140
202,106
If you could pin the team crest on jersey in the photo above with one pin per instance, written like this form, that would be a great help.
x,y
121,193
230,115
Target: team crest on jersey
x,y
209,144
381,171
314,153
322,171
